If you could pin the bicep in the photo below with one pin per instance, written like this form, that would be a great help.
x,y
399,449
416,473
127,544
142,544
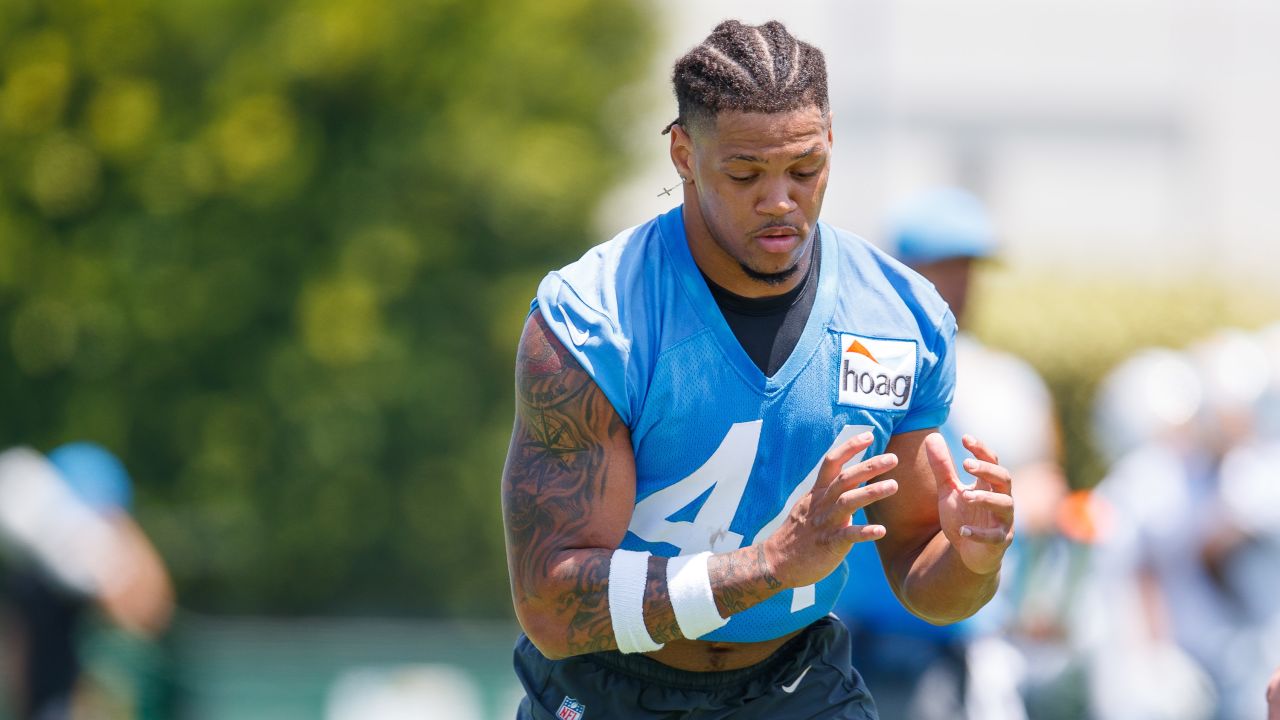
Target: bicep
x,y
569,480
910,516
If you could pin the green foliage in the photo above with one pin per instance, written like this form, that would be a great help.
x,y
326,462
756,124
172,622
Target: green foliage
x,y
276,255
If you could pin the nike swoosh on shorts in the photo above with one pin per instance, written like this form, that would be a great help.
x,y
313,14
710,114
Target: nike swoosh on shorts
x,y
792,687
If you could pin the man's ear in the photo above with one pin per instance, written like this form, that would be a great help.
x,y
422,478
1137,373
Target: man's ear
x,y
682,152
831,123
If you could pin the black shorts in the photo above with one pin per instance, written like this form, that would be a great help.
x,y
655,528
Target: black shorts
x,y
809,677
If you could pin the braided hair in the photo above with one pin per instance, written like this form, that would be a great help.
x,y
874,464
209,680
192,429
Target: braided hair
x,y
748,68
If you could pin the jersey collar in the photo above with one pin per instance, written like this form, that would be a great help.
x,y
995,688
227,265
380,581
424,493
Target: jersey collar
x,y
671,228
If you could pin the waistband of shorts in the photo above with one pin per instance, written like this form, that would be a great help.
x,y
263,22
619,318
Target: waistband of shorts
x,y
645,668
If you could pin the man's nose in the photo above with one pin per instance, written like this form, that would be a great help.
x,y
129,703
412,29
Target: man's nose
x,y
776,201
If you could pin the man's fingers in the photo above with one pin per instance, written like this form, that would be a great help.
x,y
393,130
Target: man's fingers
x,y
979,449
836,457
862,472
853,500
999,504
944,472
996,475
990,536
861,533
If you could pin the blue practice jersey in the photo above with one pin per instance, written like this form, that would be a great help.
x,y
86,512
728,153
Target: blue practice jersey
x,y
722,451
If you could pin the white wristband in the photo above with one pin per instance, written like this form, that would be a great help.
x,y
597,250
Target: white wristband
x,y
628,574
689,585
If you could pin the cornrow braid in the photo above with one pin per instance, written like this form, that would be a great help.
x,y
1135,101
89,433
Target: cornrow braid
x,y
748,68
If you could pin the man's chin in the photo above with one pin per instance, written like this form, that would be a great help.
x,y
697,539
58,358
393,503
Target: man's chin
x,y
775,278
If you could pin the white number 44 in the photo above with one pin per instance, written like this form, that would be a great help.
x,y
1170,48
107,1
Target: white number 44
x,y
725,475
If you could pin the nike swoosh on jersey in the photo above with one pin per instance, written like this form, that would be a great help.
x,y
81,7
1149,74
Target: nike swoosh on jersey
x,y
578,337
792,687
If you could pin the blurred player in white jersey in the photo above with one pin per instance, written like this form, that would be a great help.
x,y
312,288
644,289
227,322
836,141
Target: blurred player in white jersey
x,y
69,544
1145,424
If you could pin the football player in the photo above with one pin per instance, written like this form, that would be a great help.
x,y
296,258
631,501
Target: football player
x,y
705,400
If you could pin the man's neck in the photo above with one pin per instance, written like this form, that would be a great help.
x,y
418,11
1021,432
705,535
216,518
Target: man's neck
x,y
726,271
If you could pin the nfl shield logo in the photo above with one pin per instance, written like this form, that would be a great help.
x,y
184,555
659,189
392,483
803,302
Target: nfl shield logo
x,y
571,709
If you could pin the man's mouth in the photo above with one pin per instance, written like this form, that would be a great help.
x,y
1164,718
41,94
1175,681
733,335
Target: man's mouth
x,y
778,239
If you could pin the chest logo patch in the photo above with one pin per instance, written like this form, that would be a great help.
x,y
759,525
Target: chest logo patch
x,y
876,374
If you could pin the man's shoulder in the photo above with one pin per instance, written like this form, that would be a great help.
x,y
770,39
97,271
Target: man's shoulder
x,y
613,267
599,308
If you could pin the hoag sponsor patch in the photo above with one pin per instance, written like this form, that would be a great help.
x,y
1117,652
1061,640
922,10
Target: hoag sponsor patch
x,y
877,374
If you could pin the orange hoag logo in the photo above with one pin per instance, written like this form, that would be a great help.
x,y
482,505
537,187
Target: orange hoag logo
x,y
857,347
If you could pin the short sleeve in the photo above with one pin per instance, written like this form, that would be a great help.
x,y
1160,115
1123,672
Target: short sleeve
x,y
932,400
591,335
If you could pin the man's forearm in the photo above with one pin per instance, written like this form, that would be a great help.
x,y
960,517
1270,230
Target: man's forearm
x,y
741,579
571,615
940,589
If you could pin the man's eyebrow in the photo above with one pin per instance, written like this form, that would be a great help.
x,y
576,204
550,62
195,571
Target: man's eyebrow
x,y
754,159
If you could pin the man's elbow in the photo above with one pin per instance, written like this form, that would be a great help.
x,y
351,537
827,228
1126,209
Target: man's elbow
x,y
543,630
927,612
940,620
947,611
943,608
551,647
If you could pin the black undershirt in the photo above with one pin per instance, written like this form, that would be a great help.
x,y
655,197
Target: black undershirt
x,y
768,328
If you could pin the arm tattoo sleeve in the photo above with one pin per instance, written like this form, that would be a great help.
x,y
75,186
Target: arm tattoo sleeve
x,y
558,468
741,579
659,616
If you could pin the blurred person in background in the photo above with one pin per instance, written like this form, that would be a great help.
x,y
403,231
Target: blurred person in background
x,y
70,545
1241,545
1152,610
925,671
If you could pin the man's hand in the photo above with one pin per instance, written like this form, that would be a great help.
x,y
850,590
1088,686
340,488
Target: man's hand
x,y
977,520
819,531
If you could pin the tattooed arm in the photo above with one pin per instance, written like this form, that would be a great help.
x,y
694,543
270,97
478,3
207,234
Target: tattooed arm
x,y
568,491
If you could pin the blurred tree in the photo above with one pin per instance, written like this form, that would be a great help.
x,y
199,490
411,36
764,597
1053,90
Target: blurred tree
x,y
276,255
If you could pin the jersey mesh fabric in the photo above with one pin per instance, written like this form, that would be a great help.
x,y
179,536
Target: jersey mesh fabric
x,y
722,451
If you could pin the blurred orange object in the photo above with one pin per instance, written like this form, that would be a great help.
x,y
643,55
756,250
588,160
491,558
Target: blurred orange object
x,y
1084,517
